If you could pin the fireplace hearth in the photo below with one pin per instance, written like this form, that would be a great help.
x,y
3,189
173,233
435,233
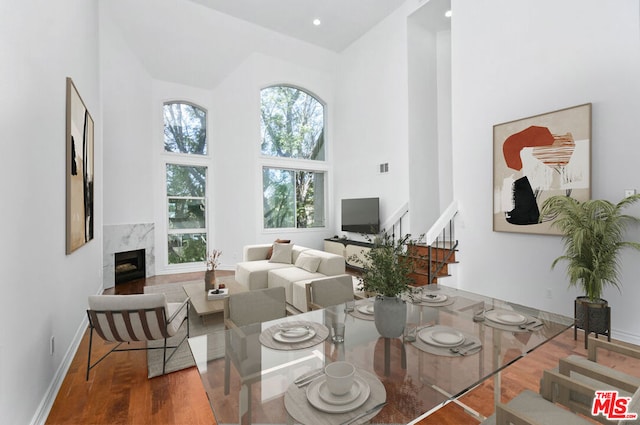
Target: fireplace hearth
x,y
129,265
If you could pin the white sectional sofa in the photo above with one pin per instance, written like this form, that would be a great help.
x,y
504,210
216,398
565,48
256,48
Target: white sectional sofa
x,y
290,266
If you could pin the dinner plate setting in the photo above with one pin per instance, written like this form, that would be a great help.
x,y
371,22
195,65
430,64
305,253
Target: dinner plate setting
x,y
447,341
442,337
322,399
294,334
315,404
511,321
433,298
365,309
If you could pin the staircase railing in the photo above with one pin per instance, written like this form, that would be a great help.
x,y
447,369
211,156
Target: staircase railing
x,y
393,226
440,239
441,242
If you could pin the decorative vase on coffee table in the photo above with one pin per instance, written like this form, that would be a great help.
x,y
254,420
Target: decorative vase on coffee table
x,y
209,280
390,315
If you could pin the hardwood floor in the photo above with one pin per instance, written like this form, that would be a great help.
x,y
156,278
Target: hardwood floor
x,y
119,392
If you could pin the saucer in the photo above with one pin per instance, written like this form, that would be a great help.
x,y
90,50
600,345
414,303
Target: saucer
x,y
366,309
434,298
286,338
338,400
313,395
505,317
442,337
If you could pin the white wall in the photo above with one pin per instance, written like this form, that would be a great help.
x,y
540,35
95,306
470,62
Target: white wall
x,y
44,290
511,60
128,136
372,118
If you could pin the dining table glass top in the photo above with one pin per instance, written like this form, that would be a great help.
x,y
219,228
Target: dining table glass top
x,y
251,374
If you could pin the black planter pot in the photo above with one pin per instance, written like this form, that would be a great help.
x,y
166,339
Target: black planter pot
x,y
592,316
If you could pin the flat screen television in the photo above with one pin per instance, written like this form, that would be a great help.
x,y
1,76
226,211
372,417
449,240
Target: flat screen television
x,y
361,215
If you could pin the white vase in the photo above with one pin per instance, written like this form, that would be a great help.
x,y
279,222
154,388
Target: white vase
x,y
390,314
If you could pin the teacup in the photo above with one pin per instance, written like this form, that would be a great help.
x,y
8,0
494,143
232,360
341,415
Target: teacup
x,y
340,376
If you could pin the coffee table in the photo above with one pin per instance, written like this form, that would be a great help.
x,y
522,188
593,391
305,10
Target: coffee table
x,y
200,303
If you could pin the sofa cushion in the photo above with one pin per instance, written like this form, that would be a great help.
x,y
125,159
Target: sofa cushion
x,y
285,277
253,274
270,251
281,253
308,262
330,264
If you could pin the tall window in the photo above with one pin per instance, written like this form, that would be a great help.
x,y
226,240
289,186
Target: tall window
x,y
185,128
292,126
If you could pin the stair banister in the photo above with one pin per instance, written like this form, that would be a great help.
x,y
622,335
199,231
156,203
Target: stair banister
x,y
441,223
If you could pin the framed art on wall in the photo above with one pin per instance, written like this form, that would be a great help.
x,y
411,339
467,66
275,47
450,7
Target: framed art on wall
x,y
538,157
79,171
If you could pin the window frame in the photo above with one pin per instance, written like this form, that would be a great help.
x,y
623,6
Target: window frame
x,y
294,164
184,159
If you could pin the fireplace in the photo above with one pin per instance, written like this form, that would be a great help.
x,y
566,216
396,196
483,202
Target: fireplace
x,y
129,265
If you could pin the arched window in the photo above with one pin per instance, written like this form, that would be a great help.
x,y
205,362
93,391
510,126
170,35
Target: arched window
x,y
292,123
185,128
293,149
185,132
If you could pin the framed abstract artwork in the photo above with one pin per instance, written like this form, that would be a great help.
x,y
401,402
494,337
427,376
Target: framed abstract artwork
x,y
79,171
535,158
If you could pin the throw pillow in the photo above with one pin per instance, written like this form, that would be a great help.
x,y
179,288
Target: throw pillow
x,y
281,253
270,252
308,262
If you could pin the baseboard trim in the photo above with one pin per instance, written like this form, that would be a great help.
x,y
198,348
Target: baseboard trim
x,y
44,408
625,336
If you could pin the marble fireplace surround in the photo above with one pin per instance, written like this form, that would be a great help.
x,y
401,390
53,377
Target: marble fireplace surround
x,y
126,237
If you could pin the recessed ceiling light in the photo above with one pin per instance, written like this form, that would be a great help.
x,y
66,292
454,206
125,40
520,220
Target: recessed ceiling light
x,y
447,13
316,22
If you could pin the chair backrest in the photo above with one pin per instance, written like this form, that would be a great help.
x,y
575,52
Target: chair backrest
x,y
123,318
255,306
633,407
329,291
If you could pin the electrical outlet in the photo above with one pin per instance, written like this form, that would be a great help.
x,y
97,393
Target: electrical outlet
x,y
629,192
52,345
549,293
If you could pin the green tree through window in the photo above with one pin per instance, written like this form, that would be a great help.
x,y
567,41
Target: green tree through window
x,y
185,132
292,124
292,127
185,129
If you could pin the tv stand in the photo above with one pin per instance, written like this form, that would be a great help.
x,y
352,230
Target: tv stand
x,y
347,248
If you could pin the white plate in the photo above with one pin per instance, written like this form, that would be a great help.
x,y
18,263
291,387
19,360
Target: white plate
x,y
441,337
313,395
366,309
295,332
279,336
339,400
434,298
505,317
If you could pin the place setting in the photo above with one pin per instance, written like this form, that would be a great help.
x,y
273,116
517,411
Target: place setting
x,y
430,298
363,311
339,393
509,320
447,341
294,335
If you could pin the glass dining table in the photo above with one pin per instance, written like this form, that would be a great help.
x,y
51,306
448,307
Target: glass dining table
x,y
454,340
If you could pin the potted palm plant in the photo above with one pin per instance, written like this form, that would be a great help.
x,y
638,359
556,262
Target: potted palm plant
x,y
594,235
385,271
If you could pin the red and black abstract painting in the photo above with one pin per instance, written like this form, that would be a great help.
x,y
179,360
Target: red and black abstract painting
x,y
538,157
